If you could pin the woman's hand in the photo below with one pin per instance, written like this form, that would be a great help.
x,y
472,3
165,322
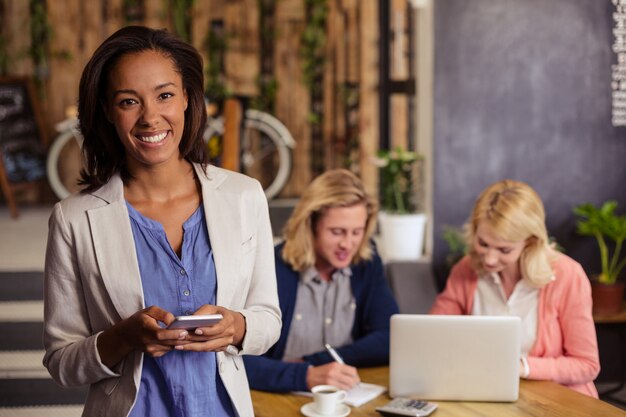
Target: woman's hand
x,y
228,331
333,373
142,332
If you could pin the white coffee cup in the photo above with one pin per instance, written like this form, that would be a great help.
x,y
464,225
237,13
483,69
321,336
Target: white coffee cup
x,y
327,398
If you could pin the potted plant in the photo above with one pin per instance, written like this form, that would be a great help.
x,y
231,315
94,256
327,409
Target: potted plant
x,y
609,229
401,225
457,246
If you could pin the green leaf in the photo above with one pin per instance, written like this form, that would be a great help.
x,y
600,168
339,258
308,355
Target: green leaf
x,y
604,224
397,185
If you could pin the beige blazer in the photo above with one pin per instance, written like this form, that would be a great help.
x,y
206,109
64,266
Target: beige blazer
x,y
92,281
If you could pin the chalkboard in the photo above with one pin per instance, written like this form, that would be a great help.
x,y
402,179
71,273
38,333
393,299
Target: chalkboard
x,y
21,133
523,91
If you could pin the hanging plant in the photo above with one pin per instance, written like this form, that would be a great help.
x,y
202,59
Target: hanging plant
x,y
266,82
133,11
351,144
312,53
181,18
215,46
40,34
312,43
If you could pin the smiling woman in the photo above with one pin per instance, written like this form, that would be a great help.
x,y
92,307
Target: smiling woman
x,y
132,250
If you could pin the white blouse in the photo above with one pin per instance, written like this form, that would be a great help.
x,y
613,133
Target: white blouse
x,y
490,300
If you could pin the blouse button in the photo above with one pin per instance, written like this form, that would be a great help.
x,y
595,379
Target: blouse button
x,y
186,292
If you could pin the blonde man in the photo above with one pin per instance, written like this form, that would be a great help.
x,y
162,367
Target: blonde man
x,y
331,291
512,270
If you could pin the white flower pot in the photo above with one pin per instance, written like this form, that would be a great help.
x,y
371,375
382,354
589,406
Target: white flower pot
x,y
402,235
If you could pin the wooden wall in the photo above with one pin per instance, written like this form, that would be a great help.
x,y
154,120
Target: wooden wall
x,y
350,132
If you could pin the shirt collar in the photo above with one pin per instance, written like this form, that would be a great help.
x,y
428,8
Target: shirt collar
x,y
311,274
494,278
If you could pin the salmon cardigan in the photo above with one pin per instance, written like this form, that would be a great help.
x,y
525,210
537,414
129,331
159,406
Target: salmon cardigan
x,y
566,348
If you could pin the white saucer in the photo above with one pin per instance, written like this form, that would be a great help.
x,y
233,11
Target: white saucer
x,y
309,410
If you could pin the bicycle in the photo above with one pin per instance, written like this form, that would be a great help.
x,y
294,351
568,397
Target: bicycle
x,y
265,150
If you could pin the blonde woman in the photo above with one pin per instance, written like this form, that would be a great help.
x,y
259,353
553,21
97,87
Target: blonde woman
x,y
512,270
331,290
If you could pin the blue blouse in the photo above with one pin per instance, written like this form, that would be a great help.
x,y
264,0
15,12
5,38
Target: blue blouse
x,y
179,383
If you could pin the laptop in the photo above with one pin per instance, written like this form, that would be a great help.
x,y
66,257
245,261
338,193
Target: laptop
x,y
455,358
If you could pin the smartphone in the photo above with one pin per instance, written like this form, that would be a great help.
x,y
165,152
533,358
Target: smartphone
x,y
191,322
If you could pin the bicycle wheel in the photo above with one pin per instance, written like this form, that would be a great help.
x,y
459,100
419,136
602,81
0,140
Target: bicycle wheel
x,y
63,163
265,153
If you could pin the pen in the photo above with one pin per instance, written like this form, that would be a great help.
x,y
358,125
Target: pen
x,y
334,354
331,350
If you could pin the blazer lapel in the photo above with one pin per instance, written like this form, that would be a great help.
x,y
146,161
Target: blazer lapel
x,y
221,209
115,249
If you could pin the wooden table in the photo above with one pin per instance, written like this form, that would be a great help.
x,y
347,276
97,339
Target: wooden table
x,y
537,398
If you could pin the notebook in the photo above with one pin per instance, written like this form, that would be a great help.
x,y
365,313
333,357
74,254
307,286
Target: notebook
x,y
456,358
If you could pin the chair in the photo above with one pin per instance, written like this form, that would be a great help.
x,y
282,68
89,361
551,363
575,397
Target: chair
x,y
413,285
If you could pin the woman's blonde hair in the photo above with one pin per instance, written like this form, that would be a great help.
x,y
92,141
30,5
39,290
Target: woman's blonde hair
x,y
335,188
516,213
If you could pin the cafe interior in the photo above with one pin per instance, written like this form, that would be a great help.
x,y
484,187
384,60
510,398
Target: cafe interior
x,y
461,94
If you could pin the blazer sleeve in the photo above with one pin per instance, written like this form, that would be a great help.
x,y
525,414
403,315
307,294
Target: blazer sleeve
x,y
579,362
68,338
371,341
275,375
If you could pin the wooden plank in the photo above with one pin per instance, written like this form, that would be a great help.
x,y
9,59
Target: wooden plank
x,y
399,121
92,34
15,19
64,76
399,48
368,93
233,113
290,10
399,70
333,126
113,17
200,23
157,16
351,17
242,63
292,98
